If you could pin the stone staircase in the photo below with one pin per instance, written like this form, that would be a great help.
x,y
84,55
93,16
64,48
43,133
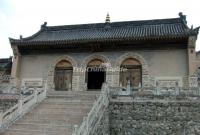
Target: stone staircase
x,y
56,115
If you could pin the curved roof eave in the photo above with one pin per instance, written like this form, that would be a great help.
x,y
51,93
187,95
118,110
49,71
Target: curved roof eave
x,y
56,42
26,38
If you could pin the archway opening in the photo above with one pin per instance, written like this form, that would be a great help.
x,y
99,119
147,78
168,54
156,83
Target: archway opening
x,y
95,75
63,76
131,71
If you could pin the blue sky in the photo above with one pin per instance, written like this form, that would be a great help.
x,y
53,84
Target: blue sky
x,y
24,17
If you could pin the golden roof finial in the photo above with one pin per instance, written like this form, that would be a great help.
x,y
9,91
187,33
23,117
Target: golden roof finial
x,y
108,18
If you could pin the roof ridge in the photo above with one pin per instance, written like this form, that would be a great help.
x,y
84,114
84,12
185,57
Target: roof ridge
x,y
114,24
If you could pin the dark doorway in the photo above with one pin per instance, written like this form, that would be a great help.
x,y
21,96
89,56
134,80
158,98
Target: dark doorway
x,y
95,79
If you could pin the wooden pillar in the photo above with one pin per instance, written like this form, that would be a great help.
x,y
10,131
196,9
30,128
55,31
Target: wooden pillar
x,y
1,118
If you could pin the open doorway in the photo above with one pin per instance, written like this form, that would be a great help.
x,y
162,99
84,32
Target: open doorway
x,y
95,80
95,75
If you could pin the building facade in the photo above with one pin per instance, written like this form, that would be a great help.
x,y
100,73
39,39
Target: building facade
x,y
147,53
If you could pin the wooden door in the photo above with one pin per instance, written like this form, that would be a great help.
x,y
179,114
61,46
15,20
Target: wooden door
x,y
132,74
63,79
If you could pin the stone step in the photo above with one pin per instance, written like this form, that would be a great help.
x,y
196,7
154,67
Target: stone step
x,y
75,97
73,93
65,116
83,104
36,132
46,122
54,116
68,100
54,107
61,110
71,121
42,127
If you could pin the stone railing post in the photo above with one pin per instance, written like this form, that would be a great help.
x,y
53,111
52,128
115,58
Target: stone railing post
x,y
198,91
177,90
20,105
85,87
75,128
157,89
139,88
35,95
87,123
128,87
1,118
45,88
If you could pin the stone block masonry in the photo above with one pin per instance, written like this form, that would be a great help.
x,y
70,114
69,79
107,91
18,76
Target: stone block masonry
x,y
103,126
158,116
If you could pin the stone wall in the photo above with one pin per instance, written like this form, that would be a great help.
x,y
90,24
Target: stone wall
x,y
103,128
158,116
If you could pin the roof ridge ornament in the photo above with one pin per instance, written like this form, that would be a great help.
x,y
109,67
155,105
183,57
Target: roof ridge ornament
x,y
191,27
44,25
107,18
20,37
194,31
182,17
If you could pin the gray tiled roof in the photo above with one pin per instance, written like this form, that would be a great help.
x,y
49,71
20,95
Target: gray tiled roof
x,y
5,63
134,30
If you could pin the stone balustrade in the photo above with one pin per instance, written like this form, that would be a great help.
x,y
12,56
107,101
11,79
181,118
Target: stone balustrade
x,y
172,91
24,105
90,122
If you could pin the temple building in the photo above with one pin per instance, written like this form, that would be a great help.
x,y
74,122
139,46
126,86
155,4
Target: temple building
x,y
112,78
158,51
